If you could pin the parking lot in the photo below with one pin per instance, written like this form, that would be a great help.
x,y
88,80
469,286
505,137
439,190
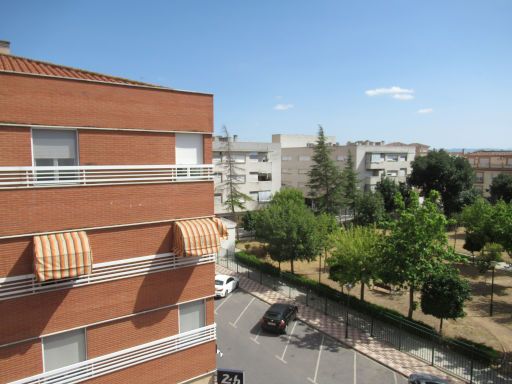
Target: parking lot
x,y
304,355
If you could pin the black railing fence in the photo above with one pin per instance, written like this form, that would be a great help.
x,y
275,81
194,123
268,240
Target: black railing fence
x,y
454,357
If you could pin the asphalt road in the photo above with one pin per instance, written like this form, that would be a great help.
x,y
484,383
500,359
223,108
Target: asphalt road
x,y
304,355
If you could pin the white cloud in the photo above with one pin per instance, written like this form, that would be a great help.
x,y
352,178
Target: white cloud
x,y
283,107
403,96
394,91
424,111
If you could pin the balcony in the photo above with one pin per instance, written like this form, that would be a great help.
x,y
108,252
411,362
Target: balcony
x,y
91,175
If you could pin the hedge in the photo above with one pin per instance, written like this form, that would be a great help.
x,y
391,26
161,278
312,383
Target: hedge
x,y
471,349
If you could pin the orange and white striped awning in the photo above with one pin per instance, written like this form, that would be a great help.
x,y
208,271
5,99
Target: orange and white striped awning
x,y
62,255
198,237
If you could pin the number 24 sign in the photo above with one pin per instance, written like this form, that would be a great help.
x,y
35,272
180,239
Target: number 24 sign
x,y
230,376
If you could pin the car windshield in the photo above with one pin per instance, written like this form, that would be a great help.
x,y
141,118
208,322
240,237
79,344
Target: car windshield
x,y
273,315
219,282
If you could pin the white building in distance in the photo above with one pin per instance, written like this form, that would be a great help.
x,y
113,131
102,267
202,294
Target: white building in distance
x,y
257,167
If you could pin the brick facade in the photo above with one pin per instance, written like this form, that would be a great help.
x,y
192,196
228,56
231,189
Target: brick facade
x,y
135,126
50,101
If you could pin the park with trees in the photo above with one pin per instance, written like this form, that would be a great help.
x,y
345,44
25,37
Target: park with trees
x,y
395,238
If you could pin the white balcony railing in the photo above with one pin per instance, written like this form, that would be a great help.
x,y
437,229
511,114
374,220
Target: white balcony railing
x,y
25,285
123,359
90,175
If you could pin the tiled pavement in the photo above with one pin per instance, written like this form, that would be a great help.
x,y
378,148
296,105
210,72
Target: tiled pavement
x,y
360,341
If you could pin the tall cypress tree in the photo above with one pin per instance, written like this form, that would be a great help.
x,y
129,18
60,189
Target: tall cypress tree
x,y
349,184
324,178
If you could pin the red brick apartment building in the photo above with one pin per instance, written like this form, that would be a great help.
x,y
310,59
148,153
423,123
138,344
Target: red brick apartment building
x,y
107,235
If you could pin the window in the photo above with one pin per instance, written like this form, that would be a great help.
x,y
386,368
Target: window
x,y
392,157
217,157
237,179
264,177
402,172
303,171
403,157
264,196
254,195
217,198
392,173
54,148
253,177
189,148
377,157
286,170
286,158
375,172
483,162
236,157
64,349
217,177
191,316
340,158
304,158
253,157
479,177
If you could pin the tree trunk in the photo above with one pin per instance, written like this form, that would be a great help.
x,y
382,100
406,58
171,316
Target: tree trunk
x,y
362,290
441,327
291,267
411,301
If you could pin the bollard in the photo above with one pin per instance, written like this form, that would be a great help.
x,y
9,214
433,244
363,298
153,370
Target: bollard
x,y
371,328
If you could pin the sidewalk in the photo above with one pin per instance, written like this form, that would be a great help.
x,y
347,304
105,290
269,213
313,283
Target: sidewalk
x,y
361,342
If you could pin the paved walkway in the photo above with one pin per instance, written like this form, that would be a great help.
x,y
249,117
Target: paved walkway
x,y
360,341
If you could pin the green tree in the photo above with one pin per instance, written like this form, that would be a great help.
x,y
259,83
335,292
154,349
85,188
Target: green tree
x,y
369,208
355,256
388,189
417,245
443,296
349,184
449,175
235,199
326,226
249,220
491,254
289,228
324,178
501,188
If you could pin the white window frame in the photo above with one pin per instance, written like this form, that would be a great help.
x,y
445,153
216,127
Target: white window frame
x,y
304,158
83,330
191,302
253,177
269,196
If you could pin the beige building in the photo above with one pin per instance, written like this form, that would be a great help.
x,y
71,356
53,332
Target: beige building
x,y
257,167
372,160
488,165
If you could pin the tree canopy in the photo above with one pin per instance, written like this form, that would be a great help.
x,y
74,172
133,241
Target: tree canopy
x,y
324,178
369,208
289,228
501,188
355,256
449,175
417,244
349,183
443,295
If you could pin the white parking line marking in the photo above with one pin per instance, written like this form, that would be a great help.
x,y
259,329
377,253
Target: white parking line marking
x,y
287,343
394,376
221,304
355,368
255,338
317,362
238,318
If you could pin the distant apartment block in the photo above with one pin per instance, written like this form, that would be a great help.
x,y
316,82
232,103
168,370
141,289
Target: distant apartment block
x,y
372,160
257,171
488,165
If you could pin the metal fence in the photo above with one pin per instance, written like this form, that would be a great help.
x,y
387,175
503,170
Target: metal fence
x,y
454,357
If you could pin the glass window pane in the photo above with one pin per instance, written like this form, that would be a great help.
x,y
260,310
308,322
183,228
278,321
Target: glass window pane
x,y
64,349
191,316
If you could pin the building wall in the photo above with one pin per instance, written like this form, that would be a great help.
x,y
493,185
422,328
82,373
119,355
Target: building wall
x,y
149,120
272,153
29,99
487,165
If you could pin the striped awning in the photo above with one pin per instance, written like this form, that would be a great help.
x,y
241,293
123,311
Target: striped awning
x,y
62,255
198,237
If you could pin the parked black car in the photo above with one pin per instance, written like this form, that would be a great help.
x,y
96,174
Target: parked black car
x,y
278,316
425,378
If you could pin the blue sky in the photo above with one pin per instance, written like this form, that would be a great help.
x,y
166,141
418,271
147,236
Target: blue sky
x,y
436,72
